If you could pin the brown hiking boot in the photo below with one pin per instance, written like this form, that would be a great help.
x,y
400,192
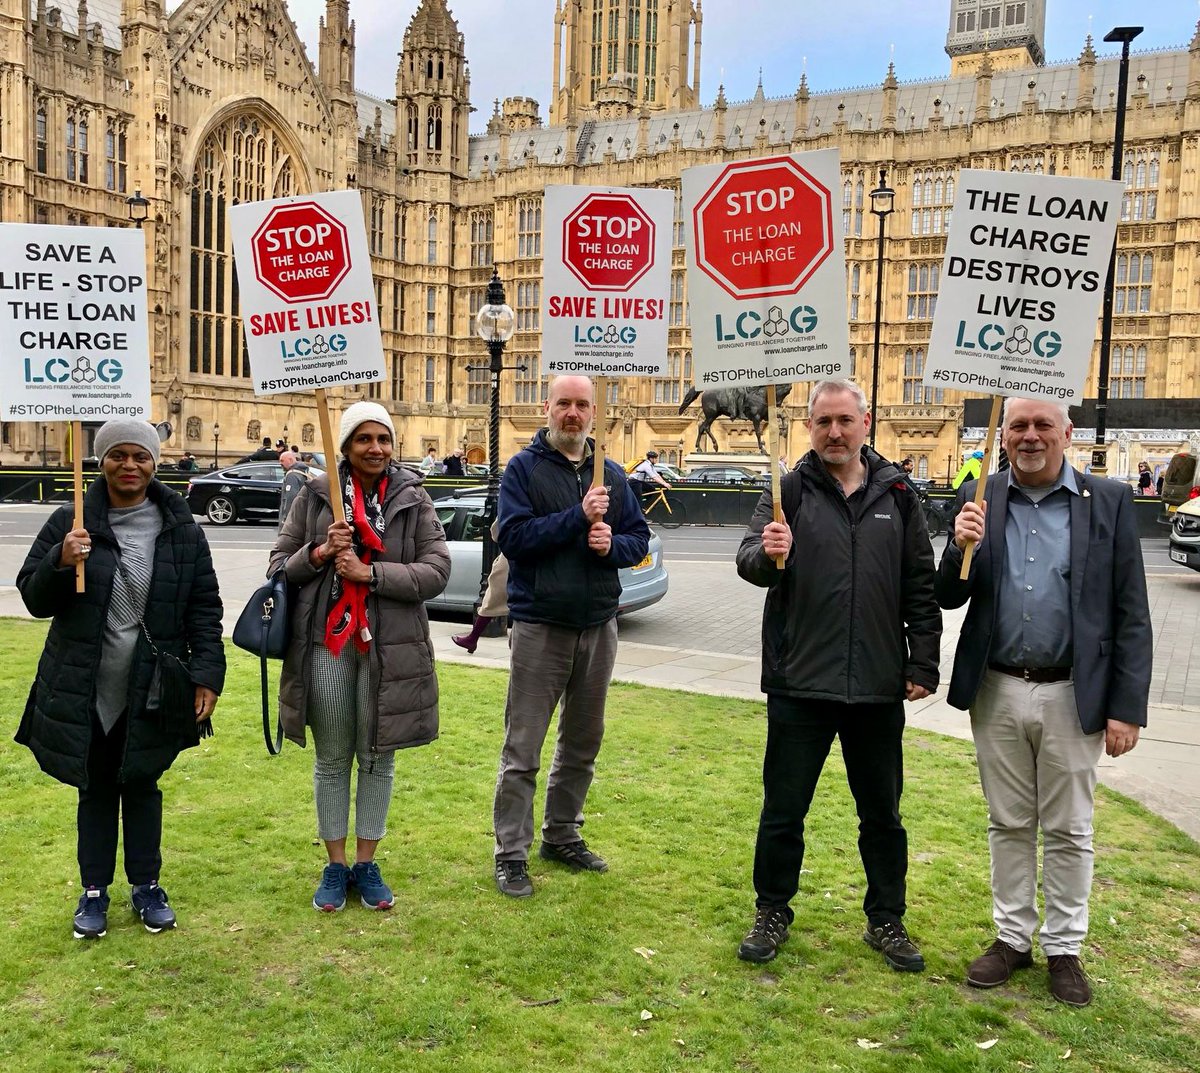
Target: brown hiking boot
x,y
1068,981
996,964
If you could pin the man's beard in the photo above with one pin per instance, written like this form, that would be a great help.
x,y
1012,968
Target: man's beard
x,y
568,441
1028,463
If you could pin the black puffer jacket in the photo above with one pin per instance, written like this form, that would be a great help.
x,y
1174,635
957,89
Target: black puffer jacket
x,y
183,615
853,615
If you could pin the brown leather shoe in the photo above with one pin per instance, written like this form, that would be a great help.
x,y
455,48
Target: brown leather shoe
x,y
1068,981
996,964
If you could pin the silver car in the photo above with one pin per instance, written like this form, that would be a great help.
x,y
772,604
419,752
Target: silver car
x,y
462,518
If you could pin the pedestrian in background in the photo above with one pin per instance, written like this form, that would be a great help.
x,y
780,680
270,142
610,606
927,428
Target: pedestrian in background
x,y
359,673
453,464
565,540
1053,664
430,464
295,476
98,716
850,631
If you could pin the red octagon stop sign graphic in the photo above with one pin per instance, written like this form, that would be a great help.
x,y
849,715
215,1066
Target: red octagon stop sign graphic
x,y
608,242
763,228
301,252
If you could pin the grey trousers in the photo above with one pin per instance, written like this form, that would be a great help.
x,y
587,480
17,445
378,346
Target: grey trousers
x,y
550,663
1038,769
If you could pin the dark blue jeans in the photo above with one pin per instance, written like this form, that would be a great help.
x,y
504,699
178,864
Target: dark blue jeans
x,y
799,736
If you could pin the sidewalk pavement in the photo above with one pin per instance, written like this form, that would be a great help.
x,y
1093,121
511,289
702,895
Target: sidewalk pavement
x,y
1163,772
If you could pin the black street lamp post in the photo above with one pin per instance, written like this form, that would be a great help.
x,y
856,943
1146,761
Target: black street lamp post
x,y
139,208
1124,34
882,200
216,440
495,324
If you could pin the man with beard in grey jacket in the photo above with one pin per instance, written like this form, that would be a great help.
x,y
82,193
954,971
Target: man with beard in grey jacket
x,y
850,631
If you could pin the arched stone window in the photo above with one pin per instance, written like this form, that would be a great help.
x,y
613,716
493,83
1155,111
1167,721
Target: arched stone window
x,y
244,159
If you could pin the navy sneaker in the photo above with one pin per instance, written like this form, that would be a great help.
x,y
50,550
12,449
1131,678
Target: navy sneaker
x,y
91,918
150,903
373,891
331,894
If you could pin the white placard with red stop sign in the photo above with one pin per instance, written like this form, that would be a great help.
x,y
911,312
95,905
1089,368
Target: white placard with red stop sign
x,y
766,270
607,277
307,293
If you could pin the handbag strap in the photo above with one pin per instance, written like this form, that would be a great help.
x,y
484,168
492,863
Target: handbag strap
x,y
273,747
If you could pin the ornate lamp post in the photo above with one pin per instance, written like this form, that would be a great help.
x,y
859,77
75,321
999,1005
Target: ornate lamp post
x,y
495,324
139,208
216,440
882,199
1124,34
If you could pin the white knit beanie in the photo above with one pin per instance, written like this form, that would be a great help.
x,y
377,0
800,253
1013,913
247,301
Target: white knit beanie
x,y
126,430
358,413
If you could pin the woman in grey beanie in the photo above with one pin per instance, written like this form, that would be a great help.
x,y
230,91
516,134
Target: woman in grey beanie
x,y
98,716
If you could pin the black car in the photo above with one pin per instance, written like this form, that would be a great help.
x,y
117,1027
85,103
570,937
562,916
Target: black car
x,y
727,475
248,491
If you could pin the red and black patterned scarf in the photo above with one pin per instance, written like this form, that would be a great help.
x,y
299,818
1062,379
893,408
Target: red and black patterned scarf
x,y
347,617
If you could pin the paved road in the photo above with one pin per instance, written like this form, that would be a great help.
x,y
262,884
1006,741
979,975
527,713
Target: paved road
x,y
704,637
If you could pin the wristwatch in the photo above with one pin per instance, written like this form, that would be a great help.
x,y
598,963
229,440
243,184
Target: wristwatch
x,y
373,584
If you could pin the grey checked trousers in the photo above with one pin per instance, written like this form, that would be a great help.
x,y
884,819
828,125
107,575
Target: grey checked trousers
x,y
550,663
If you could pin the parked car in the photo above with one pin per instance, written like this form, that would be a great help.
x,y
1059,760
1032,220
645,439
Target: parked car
x,y
727,475
1184,542
462,518
248,491
1181,482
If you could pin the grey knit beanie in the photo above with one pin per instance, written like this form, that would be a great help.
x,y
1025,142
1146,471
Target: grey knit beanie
x,y
126,430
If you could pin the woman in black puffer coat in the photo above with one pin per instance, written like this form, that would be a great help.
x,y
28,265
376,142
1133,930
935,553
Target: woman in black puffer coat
x,y
97,717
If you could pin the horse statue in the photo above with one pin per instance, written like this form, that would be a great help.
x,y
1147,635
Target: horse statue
x,y
736,403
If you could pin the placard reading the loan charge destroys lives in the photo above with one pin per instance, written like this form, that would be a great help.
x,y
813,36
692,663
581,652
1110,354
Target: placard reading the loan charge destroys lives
x,y
1022,284
307,293
74,336
766,270
607,274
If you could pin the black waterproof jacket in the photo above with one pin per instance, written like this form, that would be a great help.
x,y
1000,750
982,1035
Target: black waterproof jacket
x,y
183,615
553,576
853,614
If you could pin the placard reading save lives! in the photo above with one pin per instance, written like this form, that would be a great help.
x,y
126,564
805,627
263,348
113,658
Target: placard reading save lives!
x,y
1022,283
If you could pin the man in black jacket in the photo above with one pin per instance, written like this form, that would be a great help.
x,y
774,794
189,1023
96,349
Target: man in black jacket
x,y
850,631
565,541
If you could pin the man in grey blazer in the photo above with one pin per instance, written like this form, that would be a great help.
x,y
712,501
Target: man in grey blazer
x,y
1053,663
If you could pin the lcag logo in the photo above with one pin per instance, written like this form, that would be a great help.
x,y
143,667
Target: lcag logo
x,y
992,337
81,371
316,347
750,324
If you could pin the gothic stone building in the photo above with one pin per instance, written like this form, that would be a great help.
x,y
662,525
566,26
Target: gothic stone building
x,y
217,102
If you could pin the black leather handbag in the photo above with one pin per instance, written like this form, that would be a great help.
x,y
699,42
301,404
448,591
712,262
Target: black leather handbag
x,y
264,628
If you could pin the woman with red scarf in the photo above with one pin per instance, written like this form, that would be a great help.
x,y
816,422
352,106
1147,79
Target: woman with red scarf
x,y
359,673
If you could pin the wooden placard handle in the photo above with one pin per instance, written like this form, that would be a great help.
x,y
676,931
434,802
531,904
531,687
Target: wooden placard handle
x,y
773,454
77,466
600,428
331,456
985,466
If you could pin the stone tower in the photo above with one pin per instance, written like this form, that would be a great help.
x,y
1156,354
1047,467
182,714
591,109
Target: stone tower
x,y
433,93
639,53
1012,32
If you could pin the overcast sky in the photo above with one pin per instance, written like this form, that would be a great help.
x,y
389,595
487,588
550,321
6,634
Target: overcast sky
x,y
509,43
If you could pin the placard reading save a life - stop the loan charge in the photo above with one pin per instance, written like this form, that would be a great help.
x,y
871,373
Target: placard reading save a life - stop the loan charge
x,y
74,341
1021,284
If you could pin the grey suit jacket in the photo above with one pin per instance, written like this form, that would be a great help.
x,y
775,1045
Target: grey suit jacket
x,y
1110,613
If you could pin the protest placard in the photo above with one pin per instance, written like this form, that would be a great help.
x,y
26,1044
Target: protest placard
x,y
766,271
307,299
1021,284
606,281
74,336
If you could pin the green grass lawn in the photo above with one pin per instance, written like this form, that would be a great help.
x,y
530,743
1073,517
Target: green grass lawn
x,y
631,971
